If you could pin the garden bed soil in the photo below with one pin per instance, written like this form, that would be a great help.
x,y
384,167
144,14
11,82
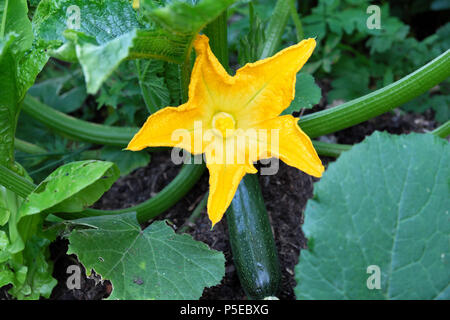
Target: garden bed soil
x,y
285,195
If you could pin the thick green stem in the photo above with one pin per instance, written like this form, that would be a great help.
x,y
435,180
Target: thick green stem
x,y
165,199
77,129
443,131
316,124
145,211
277,25
378,102
184,71
330,149
16,183
91,132
29,148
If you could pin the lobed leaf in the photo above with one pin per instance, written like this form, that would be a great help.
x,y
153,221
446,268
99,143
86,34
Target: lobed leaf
x,y
154,263
109,32
383,204
307,94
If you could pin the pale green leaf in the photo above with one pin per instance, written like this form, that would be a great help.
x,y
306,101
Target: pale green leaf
x,y
71,188
383,204
187,16
17,22
20,63
109,32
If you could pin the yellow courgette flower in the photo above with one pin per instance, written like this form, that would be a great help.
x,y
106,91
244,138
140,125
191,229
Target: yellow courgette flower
x,y
224,112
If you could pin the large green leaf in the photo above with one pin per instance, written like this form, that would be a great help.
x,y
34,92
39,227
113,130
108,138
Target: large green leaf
x,y
24,253
9,107
109,32
71,188
20,62
154,263
383,204
16,20
186,16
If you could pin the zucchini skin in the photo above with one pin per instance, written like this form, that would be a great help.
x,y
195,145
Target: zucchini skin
x,y
252,243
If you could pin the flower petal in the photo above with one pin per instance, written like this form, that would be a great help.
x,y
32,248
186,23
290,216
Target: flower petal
x,y
224,179
210,84
170,127
291,145
267,87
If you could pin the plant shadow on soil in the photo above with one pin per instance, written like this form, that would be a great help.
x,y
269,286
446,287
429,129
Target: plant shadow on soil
x,y
285,195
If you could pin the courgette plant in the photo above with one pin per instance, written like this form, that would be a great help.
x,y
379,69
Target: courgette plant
x,y
156,263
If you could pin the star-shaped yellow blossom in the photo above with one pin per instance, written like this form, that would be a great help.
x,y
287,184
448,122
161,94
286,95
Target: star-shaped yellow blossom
x,y
234,120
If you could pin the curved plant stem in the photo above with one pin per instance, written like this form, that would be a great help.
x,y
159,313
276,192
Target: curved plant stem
x,y
316,124
330,149
166,198
77,129
16,183
378,102
276,27
443,131
29,148
99,133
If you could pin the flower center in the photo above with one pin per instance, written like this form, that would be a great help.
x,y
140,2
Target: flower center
x,y
224,123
